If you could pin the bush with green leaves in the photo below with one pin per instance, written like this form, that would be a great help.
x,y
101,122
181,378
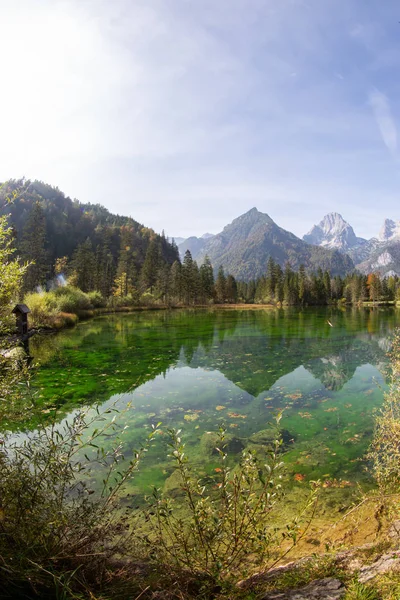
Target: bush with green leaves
x,y
96,299
218,530
56,530
11,274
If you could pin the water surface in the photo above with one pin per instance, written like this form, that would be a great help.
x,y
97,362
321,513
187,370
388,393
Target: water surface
x,y
195,369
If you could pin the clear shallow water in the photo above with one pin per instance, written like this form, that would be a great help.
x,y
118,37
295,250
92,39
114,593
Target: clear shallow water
x,y
196,369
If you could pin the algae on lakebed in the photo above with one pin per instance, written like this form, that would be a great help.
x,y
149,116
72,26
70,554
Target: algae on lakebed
x,y
195,369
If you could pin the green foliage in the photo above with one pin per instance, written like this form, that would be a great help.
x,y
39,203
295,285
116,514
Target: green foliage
x,y
227,522
46,307
360,591
119,301
95,245
11,274
96,299
246,244
33,248
384,452
56,532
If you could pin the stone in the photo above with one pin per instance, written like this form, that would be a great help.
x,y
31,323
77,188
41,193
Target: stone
x,y
328,588
385,563
394,529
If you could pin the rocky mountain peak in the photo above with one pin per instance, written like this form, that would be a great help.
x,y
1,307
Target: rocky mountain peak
x,y
389,231
333,232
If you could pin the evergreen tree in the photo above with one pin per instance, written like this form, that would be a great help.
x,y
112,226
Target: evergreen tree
x,y
207,280
327,287
220,286
126,271
83,267
231,289
271,279
302,285
33,249
176,290
190,279
152,263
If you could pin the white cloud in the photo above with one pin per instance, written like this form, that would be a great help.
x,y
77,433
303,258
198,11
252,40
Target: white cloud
x,y
383,115
184,114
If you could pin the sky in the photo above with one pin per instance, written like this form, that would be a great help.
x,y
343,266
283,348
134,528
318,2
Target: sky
x,y
184,114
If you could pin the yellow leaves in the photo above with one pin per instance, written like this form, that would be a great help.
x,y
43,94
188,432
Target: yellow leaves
x,y
191,417
220,407
295,396
234,415
305,415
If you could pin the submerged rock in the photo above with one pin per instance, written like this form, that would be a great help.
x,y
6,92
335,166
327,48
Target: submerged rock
x,y
268,436
210,442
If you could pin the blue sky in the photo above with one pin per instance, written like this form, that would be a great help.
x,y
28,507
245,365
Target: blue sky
x,y
187,113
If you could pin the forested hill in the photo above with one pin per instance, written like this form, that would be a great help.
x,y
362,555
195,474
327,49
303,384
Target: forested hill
x,y
61,234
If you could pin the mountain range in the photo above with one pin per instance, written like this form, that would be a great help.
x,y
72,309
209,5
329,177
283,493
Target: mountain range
x,y
379,254
244,246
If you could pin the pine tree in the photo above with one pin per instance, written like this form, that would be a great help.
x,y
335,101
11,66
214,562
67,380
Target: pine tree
x,y
190,279
302,285
83,267
176,281
220,285
271,279
231,289
152,263
33,249
207,280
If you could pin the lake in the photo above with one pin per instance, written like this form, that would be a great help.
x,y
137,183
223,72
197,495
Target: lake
x,y
195,369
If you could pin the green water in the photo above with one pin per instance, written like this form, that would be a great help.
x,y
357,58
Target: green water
x,y
195,369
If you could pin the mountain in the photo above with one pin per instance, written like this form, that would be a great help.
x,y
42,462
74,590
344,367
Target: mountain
x,y
380,257
66,227
380,254
244,246
194,244
335,233
390,231
177,240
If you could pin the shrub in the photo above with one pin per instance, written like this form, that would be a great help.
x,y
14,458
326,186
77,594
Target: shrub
x,y
63,319
225,523
120,301
96,299
71,300
42,307
56,533
147,299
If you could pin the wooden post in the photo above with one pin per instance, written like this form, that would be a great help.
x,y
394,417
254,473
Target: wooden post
x,y
21,312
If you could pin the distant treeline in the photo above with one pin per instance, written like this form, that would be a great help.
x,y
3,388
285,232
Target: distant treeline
x,y
94,250
301,288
